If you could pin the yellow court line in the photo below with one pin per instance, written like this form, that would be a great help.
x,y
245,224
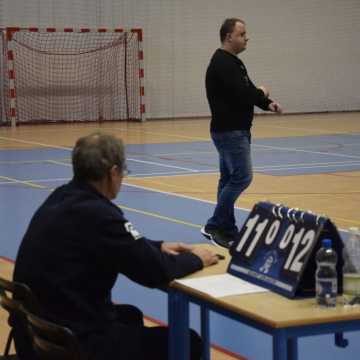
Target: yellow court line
x,y
33,185
158,216
148,213
23,182
154,188
22,162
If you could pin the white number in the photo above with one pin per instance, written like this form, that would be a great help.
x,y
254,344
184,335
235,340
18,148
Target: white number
x,y
296,241
285,241
307,241
273,231
259,230
250,224
294,262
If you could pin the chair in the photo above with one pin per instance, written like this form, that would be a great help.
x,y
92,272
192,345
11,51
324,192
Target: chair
x,y
52,341
22,294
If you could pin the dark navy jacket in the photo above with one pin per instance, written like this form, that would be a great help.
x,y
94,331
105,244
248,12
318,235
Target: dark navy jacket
x,y
75,246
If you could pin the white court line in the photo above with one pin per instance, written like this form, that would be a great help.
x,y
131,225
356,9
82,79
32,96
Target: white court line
x,y
215,170
306,167
134,176
34,143
158,133
188,170
160,164
215,152
321,131
69,149
172,154
278,167
329,146
255,145
210,171
299,165
174,173
308,151
256,168
27,162
36,180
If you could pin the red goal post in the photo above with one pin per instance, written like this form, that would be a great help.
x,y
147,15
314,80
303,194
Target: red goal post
x,y
68,74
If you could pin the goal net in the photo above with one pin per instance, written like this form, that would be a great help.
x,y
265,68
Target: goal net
x,y
3,75
74,75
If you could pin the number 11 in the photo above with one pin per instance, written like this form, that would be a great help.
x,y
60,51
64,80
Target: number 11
x,y
249,228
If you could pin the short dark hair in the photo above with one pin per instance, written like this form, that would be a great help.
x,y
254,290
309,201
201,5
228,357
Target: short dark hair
x,y
95,154
227,27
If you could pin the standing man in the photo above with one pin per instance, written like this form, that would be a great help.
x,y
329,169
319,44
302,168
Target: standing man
x,y
231,96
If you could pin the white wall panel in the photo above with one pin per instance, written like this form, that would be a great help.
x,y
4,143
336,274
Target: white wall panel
x,y
307,52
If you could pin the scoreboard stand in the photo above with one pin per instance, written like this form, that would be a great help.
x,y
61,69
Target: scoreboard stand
x,y
277,246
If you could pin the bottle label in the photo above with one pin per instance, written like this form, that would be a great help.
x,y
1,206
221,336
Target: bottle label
x,y
326,292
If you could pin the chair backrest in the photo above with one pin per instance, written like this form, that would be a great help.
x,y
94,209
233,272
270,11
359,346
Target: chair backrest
x,y
21,296
52,341
13,297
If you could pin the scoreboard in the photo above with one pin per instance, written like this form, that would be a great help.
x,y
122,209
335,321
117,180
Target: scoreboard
x,y
276,249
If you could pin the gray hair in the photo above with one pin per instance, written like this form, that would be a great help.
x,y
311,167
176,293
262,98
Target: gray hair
x,y
95,154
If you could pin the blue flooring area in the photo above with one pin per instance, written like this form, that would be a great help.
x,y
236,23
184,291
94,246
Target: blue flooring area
x,y
147,209
276,156
279,156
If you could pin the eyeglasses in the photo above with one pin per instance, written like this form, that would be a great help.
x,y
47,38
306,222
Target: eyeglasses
x,y
125,171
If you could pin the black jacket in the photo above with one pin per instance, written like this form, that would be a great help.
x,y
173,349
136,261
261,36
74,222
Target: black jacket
x,y
231,94
75,246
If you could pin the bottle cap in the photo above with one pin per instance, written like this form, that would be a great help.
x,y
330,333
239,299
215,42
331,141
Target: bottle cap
x,y
326,243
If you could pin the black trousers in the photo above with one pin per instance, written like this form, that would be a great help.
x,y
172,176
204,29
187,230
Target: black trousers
x,y
130,339
126,339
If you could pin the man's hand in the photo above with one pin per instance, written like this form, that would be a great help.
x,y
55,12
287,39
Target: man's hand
x,y
264,90
207,257
275,107
175,248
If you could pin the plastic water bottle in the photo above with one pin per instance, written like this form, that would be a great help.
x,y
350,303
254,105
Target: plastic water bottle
x,y
326,275
351,270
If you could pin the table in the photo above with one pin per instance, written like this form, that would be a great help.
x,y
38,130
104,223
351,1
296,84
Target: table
x,y
284,319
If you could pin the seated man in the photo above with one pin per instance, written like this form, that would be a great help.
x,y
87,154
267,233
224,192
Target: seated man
x,y
77,243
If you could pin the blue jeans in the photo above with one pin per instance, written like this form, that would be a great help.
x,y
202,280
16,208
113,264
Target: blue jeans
x,y
235,176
